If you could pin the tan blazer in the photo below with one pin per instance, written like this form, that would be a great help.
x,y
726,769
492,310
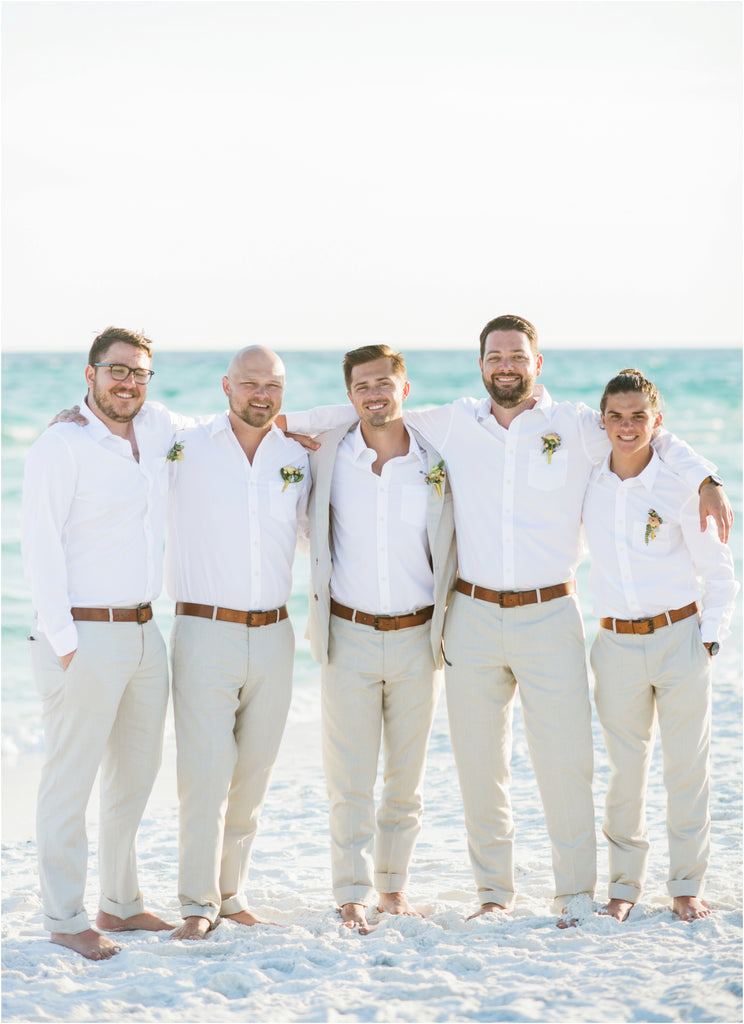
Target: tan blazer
x,y
440,524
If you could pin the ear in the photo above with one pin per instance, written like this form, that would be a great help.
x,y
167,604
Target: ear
x,y
657,421
226,385
602,420
90,375
480,364
538,365
406,390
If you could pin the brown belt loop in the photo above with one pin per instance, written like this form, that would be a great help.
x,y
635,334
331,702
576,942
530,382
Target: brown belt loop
x,y
516,598
643,627
141,614
382,622
210,611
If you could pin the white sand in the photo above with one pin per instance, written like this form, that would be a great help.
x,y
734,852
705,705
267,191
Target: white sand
x,y
443,968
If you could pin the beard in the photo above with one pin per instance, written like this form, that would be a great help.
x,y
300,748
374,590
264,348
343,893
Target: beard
x,y
105,402
255,417
512,395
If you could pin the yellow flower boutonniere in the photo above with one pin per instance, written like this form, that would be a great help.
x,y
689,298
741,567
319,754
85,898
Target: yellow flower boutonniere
x,y
290,475
551,443
653,524
436,476
175,454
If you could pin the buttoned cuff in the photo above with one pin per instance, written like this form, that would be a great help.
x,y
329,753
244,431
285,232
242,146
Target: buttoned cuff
x,y
65,641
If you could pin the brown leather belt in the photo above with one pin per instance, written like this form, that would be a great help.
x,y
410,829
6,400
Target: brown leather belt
x,y
383,622
208,611
142,613
645,626
516,598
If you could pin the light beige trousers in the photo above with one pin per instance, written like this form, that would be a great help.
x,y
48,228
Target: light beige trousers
x,y
668,673
375,684
539,648
232,687
107,709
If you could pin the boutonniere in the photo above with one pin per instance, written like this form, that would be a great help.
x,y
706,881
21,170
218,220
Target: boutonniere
x,y
652,525
436,476
290,475
175,454
551,443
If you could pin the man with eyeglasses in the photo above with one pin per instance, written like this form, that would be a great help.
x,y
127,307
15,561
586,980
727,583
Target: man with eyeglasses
x,y
93,521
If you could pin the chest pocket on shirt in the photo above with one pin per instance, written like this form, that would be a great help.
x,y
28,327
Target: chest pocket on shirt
x,y
544,475
413,504
658,545
283,504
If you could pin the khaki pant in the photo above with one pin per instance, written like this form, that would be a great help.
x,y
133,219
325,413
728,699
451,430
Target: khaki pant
x,y
540,648
107,709
232,687
375,684
667,672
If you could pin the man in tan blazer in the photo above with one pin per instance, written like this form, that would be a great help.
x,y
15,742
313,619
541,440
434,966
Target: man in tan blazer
x,y
383,566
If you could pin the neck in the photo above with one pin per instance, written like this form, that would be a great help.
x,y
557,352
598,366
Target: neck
x,y
506,416
388,440
626,466
248,437
122,428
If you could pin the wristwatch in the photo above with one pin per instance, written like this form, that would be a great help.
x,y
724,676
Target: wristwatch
x,y
712,479
712,648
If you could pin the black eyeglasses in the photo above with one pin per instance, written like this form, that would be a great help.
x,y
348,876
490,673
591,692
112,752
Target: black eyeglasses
x,y
120,372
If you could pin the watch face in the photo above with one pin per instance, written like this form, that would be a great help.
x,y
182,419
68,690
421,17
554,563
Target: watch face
x,y
714,648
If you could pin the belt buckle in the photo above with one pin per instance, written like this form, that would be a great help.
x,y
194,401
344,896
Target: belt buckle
x,y
649,623
140,609
503,594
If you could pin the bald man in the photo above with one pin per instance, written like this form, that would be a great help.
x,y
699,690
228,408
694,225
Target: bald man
x,y
238,499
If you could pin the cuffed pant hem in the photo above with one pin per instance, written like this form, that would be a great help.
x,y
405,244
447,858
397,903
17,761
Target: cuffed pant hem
x,y
207,910
353,894
685,887
559,903
233,905
391,883
70,925
619,891
501,896
123,910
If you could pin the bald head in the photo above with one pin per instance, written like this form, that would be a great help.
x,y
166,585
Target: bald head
x,y
254,385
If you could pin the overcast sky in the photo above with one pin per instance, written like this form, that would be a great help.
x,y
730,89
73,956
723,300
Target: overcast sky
x,y
329,174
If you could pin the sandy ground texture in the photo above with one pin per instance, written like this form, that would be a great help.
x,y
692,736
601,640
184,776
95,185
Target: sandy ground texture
x,y
443,968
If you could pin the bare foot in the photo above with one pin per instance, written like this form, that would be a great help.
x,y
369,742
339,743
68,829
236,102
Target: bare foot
x,y
488,908
619,909
353,916
90,944
144,922
396,903
247,918
193,929
690,908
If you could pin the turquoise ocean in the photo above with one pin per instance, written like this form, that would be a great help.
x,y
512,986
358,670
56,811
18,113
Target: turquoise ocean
x,y
702,404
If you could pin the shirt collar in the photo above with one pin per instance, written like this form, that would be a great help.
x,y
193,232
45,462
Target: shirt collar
x,y
359,446
96,428
646,478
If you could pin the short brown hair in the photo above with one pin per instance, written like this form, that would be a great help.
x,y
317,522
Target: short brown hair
x,y
367,354
107,338
509,322
631,381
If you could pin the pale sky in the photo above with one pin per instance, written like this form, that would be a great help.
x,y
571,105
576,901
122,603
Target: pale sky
x,y
330,174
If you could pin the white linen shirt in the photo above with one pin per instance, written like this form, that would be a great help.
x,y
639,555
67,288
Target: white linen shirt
x,y
93,518
517,516
379,542
233,525
632,579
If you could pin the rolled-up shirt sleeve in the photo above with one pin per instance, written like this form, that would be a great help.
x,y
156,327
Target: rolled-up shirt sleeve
x,y
48,490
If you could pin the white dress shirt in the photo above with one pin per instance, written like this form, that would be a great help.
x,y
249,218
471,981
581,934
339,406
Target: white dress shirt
x,y
93,518
379,542
633,579
233,525
517,515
